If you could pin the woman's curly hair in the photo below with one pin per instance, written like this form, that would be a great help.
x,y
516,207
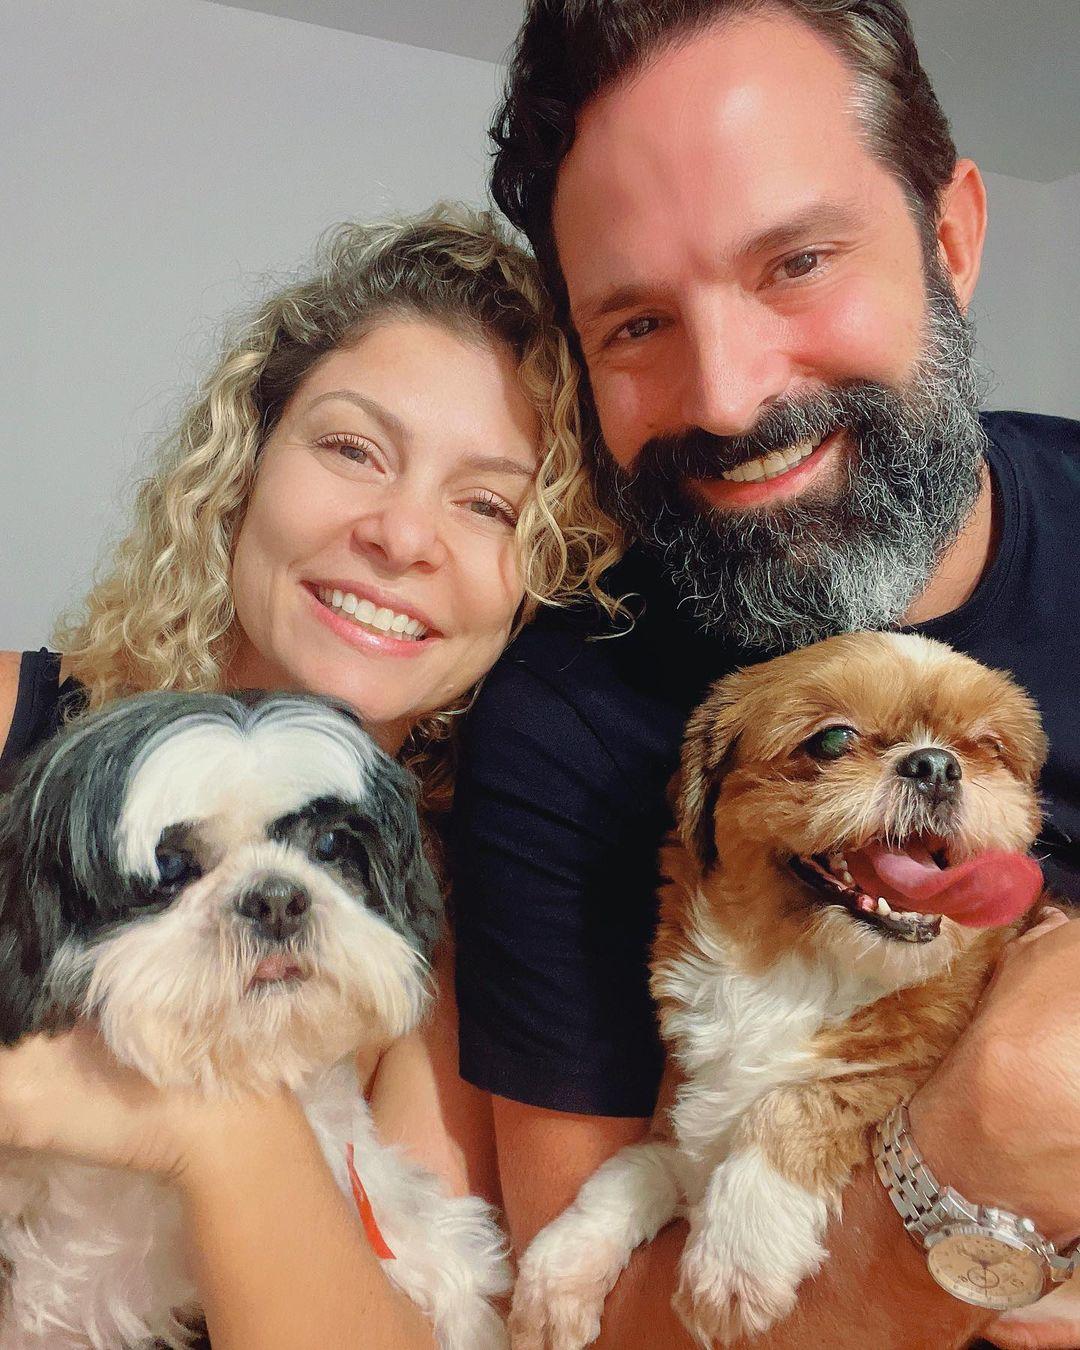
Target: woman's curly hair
x,y
161,616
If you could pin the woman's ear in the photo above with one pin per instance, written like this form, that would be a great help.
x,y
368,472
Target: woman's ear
x,y
961,229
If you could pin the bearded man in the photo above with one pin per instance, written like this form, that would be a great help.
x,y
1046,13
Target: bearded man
x,y
758,232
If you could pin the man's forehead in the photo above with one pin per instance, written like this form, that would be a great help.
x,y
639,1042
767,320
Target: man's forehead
x,y
729,134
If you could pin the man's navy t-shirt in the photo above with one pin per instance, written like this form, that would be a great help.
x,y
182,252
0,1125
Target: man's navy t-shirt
x,y
560,801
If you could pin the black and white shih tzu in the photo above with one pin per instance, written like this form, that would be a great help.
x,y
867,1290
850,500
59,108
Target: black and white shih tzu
x,y
235,890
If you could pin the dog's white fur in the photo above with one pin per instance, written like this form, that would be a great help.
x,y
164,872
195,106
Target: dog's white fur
x,y
98,1256
95,1255
742,1032
739,1037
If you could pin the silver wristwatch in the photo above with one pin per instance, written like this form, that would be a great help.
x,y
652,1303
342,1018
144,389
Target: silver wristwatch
x,y
980,1254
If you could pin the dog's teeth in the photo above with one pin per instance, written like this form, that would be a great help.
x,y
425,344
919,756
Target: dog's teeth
x,y
846,877
883,907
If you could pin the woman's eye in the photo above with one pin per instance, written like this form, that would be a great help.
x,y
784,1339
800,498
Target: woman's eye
x,y
175,867
493,507
352,449
831,743
801,265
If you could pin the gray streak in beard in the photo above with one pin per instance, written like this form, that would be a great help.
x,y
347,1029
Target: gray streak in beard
x,y
790,575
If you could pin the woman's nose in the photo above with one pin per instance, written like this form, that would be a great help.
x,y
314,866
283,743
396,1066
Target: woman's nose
x,y
401,531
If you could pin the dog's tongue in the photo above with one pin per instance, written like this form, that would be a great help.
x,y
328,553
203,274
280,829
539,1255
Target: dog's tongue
x,y
277,967
984,892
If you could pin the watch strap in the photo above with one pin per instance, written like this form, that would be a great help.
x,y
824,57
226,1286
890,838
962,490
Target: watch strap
x,y
924,1205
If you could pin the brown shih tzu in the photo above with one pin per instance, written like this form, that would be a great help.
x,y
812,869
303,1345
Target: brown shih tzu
x,y
853,825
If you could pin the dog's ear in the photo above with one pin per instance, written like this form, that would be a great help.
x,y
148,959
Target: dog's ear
x,y
710,748
33,925
399,869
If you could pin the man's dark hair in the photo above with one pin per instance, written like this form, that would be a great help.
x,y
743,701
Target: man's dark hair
x,y
569,51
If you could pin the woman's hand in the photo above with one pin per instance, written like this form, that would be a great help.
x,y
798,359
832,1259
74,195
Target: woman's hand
x,y
68,1095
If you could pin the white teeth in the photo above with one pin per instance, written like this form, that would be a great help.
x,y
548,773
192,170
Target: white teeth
x,y
883,907
771,465
847,878
365,612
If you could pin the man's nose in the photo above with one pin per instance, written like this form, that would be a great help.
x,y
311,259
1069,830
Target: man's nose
x,y
737,366
400,531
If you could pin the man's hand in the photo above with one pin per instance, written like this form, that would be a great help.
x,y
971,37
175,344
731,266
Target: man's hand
x,y
1000,1119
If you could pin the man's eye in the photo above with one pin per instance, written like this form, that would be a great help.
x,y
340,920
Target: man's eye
x,y
639,328
176,868
831,743
801,265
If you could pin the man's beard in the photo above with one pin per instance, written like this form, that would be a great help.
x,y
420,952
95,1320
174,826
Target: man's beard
x,y
783,576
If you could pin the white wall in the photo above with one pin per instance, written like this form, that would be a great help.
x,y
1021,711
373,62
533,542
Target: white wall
x,y
160,158
1027,306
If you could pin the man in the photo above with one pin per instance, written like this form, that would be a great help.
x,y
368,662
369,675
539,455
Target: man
x,y
756,226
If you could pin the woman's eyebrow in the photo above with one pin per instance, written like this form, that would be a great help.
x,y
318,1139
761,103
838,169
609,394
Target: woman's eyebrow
x,y
390,421
498,464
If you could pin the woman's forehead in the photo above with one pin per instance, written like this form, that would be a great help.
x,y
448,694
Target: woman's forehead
x,y
419,380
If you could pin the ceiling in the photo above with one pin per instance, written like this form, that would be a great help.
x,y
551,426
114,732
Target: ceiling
x,y
1008,73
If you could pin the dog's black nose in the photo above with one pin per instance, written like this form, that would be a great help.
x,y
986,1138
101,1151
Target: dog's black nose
x,y
932,771
276,906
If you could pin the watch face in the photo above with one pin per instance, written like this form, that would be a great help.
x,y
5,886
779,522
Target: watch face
x,y
989,1271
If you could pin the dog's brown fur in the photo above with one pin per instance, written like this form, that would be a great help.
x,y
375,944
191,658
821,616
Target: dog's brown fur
x,y
750,797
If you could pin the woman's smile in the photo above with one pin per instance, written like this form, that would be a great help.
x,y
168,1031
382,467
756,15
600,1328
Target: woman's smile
x,y
382,525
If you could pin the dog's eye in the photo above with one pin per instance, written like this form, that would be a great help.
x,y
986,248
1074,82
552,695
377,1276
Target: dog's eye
x,y
831,742
175,867
992,745
330,845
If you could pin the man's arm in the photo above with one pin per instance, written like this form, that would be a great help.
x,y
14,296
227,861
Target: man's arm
x,y
1000,1120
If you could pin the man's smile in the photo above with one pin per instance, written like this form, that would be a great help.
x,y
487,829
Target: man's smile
x,y
770,478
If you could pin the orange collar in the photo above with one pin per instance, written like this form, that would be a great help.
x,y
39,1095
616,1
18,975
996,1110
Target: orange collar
x,y
367,1214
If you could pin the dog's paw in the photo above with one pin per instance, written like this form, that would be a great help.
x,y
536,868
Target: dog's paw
x,y
563,1282
754,1237
719,1303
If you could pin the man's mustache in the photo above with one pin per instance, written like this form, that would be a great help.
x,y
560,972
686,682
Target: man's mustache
x,y
696,453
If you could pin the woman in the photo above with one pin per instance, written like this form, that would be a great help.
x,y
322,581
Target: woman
x,y
379,482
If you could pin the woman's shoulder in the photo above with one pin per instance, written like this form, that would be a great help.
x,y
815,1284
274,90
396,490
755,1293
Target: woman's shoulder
x,y
10,663
31,701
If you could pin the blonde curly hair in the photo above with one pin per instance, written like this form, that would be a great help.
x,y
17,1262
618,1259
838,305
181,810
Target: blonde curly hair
x,y
162,616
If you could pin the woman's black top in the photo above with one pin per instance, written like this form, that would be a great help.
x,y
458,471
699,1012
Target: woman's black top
x,y
40,706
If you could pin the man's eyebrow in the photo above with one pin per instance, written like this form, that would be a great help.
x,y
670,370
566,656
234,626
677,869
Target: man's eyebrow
x,y
818,221
390,421
602,304
821,219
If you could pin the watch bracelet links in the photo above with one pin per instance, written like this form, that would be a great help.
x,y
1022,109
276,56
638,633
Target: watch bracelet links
x,y
917,1195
